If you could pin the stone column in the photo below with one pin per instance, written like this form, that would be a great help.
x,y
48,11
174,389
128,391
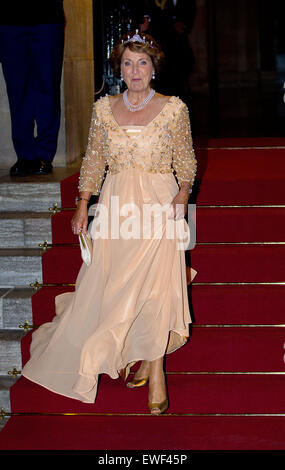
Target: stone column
x,y
78,76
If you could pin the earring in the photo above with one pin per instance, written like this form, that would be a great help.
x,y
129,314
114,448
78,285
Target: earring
x,y
153,75
122,78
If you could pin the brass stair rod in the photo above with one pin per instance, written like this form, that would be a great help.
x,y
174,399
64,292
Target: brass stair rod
x,y
15,372
269,283
26,326
240,243
240,206
55,208
46,245
36,285
4,414
281,325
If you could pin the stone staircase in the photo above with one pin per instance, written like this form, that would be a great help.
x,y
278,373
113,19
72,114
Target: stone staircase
x,y
25,222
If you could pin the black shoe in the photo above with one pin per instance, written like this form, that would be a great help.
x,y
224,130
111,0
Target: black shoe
x,y
21,168
41,167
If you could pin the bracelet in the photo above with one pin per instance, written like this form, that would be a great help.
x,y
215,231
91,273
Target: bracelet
x,y
81,199
186,187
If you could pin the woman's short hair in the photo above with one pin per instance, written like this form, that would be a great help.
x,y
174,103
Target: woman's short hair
x,y
148,46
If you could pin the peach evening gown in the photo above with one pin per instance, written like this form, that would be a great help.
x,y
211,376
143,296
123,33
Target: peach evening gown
x,y
131,303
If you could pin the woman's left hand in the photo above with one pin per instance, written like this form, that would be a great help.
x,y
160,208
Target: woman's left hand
x,y
179,204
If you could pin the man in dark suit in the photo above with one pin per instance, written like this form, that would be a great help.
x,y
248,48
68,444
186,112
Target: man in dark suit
x,y
31,52
170,22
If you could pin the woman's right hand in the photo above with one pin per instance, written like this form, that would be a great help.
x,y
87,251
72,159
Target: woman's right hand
x,y
79,221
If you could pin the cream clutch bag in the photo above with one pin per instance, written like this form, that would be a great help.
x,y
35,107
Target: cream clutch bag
x,y
86,247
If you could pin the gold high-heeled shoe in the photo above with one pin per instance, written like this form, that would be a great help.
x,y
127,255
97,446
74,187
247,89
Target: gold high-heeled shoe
x,y
123,373
162,406
136,383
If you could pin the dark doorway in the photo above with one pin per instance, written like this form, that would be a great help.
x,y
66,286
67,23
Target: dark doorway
x,y
246,69
112,18
243,62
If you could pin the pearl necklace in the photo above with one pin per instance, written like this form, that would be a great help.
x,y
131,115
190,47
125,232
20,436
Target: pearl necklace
x,y
133,107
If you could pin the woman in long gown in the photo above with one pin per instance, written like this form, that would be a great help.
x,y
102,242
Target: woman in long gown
x,y
131,303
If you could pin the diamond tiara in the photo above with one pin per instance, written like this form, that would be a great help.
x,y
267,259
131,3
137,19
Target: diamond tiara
x,y
137,38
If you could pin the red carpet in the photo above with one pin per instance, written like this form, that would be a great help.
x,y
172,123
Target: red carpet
x,y
241,176
225,394
227,384
222,349
234,263
253,304
128,432
238,225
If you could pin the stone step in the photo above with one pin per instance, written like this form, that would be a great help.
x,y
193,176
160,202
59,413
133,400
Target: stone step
x,y
6,383
25,221
10,350
28,197
24,230
33,193
20,267
3,423
15,307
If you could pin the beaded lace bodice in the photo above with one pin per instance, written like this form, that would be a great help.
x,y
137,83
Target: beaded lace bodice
x,y
164,145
